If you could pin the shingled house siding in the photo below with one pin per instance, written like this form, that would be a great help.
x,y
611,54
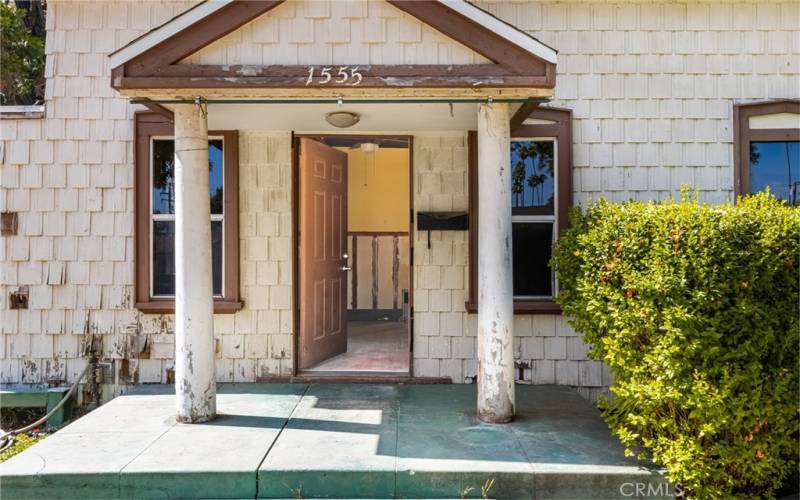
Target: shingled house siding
x,y
443,345
651,86
338,32
70,179
444,333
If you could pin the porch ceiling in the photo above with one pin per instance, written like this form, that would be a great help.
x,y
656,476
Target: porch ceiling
x,y
374,118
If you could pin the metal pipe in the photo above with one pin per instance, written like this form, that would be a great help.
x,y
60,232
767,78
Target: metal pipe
x,y
95,381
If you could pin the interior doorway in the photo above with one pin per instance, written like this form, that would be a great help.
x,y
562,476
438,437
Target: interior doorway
x,y
353,257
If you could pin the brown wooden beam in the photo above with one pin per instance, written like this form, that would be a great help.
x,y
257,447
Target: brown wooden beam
x,y
158,109
300,82
366,71
199,35
157,67
473,35
522,113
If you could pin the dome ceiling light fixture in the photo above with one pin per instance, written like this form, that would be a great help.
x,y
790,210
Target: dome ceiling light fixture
x,y
342,119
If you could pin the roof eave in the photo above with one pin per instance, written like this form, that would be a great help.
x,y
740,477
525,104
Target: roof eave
x,y
207,8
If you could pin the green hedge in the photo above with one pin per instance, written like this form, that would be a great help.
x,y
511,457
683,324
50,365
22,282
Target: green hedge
x,y
22,68
695,310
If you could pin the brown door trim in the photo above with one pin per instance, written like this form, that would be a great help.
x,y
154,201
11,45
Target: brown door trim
x,y
297,373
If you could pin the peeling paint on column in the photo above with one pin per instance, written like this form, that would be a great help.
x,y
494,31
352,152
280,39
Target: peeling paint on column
x,y
195,386
496,302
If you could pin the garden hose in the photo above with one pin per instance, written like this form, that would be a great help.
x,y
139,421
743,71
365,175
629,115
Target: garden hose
x,y
7,438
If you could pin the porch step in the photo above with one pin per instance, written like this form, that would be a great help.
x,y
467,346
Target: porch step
x,y
333,441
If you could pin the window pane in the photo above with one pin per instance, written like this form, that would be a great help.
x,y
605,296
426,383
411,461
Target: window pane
x,y
532,177
215,175
532,244
777,165
164,176
163,258
216,256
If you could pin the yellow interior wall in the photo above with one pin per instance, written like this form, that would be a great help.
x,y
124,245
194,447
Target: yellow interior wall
x,y
378,190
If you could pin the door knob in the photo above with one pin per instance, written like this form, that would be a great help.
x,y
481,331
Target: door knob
x,y
345,256
346,268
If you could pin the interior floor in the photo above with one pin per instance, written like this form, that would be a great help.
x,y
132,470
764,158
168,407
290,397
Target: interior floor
x,y
372,346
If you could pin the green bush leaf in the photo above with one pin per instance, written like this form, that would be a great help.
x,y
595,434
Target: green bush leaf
x,y
695,310
21,58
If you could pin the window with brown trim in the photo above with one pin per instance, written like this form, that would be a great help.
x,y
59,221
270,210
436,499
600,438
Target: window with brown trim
x,y
767,149
155,216
541,191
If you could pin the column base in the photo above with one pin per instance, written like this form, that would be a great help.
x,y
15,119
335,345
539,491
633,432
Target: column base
x,y
194,420
492,418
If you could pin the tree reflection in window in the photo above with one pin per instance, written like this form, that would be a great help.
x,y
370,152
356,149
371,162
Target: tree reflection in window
x,y
215,175
163,215
532,174
776,165
164,176
532,216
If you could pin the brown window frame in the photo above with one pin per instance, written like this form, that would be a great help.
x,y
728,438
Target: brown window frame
x,y
743,135
146,126
561,131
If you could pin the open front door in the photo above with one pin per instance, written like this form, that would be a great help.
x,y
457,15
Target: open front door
x,y
323,257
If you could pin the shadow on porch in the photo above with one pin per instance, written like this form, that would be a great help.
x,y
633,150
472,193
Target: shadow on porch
x,y
331,440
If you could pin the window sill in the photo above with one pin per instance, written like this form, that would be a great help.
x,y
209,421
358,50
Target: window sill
x,y
21,112
221,306
525,307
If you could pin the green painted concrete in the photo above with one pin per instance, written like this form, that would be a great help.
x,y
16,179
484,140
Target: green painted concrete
x,y
341,438
21,397
329,440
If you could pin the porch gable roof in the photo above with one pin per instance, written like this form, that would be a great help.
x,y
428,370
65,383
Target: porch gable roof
x,y
152,61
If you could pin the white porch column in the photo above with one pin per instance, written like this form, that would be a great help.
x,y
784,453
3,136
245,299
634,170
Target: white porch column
x,y
495,286
195,385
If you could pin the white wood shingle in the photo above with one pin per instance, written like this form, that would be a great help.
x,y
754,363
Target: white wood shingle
x,y
651,86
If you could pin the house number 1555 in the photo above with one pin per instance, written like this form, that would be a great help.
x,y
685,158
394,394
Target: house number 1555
x,y
345,74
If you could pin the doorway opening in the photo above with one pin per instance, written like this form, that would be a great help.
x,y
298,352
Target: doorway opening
x,y
353,256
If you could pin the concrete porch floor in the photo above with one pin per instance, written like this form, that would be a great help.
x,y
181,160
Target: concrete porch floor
x,y
330,440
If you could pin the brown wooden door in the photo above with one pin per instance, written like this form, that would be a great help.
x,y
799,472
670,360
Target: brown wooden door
x,y
323,247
